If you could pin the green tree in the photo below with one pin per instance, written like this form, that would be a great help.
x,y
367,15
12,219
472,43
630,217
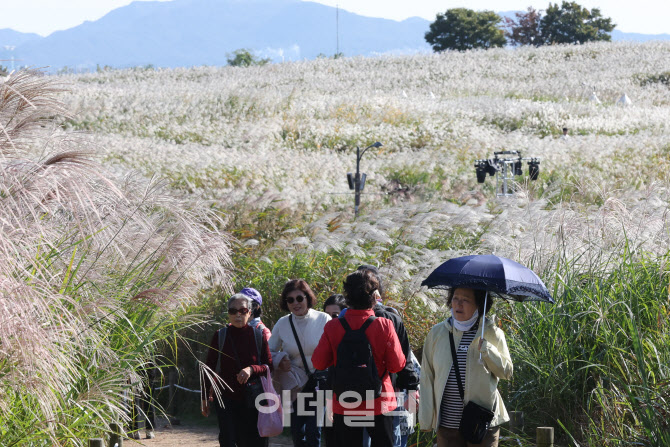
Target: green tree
x,y
464,29
525,30
244,58
571,23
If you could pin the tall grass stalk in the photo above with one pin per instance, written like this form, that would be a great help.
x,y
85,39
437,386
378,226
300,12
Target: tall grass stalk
x,y
598,362
97,273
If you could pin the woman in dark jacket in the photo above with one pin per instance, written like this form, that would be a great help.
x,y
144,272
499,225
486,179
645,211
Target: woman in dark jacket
x,y
236,362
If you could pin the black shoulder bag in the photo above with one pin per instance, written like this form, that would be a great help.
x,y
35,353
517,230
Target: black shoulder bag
x,y
315,380
253,388
475,420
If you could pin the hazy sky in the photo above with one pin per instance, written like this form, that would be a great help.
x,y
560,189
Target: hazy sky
x,y
45,16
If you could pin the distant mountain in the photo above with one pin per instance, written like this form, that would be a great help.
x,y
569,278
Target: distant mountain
x,y
10,40
636,37
203,32
9,37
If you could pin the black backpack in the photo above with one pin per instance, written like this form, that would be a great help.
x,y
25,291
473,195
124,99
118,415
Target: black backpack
x,y
355,369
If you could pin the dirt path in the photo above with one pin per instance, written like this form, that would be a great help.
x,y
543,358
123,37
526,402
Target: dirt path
x,y
189,435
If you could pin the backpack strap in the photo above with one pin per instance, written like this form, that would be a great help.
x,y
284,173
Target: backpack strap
x,y
367,323
344,324
363,328
258,336
222,339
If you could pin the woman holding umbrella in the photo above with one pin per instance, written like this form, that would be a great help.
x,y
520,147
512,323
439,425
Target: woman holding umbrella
x,y
442,404
465,356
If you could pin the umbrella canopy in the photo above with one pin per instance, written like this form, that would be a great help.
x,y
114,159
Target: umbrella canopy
x,y
500,276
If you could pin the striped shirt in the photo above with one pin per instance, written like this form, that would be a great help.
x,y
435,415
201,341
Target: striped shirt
x,y
452,406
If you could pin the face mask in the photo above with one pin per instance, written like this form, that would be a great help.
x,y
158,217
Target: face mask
x,y
465,326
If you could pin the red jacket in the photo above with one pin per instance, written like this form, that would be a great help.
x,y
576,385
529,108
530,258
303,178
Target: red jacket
x,y
386,351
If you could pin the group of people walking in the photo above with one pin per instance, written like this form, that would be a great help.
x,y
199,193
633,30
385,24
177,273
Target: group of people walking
x,y
357,353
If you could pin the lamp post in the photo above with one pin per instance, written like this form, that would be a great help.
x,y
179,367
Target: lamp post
x,y
357,181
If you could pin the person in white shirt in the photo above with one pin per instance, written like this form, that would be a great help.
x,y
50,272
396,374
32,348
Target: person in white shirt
x,y
298,299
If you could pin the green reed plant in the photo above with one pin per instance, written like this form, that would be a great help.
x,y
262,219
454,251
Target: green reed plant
x,y
324,272
596,363
97,275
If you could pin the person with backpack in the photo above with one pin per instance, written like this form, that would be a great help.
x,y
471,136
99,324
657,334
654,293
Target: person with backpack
x,y
239,355
364,350
408,378
406,382
333,306
256,311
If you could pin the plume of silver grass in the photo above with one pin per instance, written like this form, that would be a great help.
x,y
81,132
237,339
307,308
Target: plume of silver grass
x,y
77,246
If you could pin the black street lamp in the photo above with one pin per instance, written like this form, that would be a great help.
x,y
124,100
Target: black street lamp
x,y
357,181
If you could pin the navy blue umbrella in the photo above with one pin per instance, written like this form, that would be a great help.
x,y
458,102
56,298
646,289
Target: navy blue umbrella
x,y
499,276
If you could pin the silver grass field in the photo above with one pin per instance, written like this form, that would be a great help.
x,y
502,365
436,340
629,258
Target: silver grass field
x,y
134,200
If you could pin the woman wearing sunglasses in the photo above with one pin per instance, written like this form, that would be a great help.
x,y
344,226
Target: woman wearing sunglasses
x,y
298,331
234,355
334,305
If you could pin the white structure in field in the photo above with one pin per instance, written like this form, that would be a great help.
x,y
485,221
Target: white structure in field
x,y
624,101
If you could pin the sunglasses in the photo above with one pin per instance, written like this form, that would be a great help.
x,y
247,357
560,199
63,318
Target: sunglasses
x,y
233,311
298,298
335,315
